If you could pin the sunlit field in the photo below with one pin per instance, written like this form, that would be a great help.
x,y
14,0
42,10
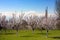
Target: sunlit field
x,y
30,35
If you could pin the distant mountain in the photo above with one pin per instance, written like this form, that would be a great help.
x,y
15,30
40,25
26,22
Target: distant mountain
x,y
26,14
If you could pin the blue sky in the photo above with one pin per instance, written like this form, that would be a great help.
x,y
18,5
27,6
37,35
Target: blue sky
x,y
27,5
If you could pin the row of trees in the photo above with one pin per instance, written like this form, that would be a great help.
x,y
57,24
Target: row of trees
x,y
29,22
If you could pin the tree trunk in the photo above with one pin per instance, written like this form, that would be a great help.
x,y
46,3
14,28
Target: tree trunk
x,y
47,33
17,32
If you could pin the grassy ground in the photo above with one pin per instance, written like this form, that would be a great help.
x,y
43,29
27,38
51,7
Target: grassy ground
x,y
29,35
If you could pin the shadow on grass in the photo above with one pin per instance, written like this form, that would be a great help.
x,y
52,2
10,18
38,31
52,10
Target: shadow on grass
x,y
25,36
55,37
42,33
7,33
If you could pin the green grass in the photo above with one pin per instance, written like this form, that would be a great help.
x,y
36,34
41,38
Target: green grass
x,y
30,35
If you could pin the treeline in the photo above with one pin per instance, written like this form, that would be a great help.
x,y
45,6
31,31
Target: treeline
x,y
31,22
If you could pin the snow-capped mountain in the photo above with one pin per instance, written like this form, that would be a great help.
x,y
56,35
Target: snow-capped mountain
x,y
26,14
